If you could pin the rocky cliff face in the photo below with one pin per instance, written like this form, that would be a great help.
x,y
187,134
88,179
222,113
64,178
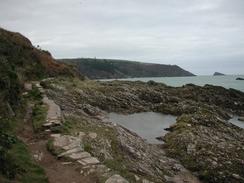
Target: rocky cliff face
x,y
105,69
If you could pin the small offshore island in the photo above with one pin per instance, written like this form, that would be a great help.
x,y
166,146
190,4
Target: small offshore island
x,y
54,125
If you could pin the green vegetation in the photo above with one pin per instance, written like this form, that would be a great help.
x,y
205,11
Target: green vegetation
x,y
29,171
39,116
75,125
15,160
108,68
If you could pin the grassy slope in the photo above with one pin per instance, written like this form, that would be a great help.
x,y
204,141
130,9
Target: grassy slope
x,y
21,62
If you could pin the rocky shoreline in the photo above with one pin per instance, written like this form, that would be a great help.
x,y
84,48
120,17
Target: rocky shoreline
x,y
201,141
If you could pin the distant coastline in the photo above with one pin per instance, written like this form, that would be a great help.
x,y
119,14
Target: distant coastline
x,y
108,69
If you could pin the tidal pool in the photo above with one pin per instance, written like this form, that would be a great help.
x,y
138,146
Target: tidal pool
x,y
148,125
236,122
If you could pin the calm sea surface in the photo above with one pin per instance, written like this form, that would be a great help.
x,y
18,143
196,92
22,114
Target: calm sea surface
x,y
225,81
148,125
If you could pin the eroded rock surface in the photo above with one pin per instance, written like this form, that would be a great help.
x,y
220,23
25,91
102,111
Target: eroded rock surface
x,y
202,140
210,146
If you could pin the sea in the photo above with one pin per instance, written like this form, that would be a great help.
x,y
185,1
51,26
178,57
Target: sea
x,y
150,125
224,81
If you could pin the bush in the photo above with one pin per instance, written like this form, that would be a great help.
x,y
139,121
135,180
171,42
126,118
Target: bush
x,y
8,167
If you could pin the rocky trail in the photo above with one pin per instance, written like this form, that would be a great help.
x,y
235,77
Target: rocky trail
x,y
56,170
73,165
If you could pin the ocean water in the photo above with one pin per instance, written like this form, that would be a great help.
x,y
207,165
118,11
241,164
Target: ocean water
x,y
225,81
148,125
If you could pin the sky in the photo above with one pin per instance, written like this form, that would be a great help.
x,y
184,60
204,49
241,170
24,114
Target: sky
x,y
202,36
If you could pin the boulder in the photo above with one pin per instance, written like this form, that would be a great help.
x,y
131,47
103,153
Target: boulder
x,y
116,179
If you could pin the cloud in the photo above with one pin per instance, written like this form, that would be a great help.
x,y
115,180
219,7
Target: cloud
x,y
199,35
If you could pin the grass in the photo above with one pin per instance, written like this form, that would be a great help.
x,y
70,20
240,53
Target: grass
x,y
39,116
19,166
118,163
29,171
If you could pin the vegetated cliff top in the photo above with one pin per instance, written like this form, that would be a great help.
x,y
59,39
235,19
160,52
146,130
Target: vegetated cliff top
x,y
108,68
218,74
20,61
28,61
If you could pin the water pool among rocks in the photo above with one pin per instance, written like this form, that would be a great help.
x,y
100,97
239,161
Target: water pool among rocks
x,y
236,122
148,125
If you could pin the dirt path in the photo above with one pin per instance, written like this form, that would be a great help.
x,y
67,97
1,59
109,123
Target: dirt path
x,y
56,170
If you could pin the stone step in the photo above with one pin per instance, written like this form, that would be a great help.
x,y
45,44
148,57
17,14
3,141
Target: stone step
x,y
71,151
74,144
89,161
116,179
79,155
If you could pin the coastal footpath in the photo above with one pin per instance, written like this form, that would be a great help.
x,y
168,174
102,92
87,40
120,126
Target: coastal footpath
x,y
54,126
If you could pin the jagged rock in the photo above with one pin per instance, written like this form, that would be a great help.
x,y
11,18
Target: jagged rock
x,y
116,179
210,146
201,139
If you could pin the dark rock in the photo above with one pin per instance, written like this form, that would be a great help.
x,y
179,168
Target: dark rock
x,y
218,74
160,138
201,138
239,78
209,146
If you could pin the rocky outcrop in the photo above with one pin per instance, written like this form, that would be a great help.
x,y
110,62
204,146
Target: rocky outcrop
x,y
218,74
202,140
240,79
209,146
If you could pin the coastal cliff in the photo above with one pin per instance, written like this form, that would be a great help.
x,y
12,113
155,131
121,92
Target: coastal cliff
x,y
111,69
54,125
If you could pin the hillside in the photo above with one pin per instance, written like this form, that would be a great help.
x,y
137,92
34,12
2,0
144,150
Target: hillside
x,y
106,68
21,62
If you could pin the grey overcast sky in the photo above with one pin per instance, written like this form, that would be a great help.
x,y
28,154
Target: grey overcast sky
x,y
202,36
